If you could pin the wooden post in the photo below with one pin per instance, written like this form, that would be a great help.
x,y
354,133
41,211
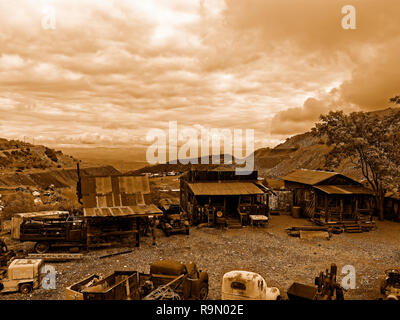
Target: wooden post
x,y
326,208
137,232
341,209
356,209
153,234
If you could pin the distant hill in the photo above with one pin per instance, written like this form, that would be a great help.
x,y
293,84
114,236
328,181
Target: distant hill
x,y
123,159
303,151
20,156
28,165
168,167
299,151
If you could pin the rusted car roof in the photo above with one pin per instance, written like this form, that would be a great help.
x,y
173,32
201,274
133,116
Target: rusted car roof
x,y
224,188
309,177
344,189
128,211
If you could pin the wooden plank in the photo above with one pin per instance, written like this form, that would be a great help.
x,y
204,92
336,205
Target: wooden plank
x,y
55,256
115,254
314,235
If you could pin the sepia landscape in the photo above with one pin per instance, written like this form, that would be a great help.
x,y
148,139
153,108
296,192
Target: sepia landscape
x,y
199,150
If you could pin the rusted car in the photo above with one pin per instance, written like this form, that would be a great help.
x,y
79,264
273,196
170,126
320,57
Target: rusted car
x,y
167,280
390,285
5,254
172,220
245,285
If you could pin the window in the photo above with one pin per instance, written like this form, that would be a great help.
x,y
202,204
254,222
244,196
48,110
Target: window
x,y
238,285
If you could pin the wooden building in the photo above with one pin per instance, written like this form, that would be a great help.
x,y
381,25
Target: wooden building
x,y
392,206
222,197
117,205
329,196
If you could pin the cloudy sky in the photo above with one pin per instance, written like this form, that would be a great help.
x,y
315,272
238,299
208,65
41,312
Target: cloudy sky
x,y
111,70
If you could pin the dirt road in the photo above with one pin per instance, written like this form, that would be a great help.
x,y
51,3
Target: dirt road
x,y
269,251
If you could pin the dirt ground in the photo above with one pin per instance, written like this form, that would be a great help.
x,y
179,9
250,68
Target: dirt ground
x,y
280,259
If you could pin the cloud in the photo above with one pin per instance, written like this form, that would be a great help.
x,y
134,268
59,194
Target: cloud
x,y
112,70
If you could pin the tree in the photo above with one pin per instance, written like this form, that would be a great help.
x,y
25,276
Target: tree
x,y
371,141
395,100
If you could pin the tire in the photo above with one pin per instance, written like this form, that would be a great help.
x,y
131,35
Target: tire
x,y
167,233
203,292
187,231
42,247
25,288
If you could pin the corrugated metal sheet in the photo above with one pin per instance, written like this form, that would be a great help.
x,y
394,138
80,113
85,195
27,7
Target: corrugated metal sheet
x,y
344,189
113,191
309,177
134,184
103,185
224,188
126,211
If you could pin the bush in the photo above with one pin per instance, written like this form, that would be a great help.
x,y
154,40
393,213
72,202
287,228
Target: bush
x,y
18,202
51,155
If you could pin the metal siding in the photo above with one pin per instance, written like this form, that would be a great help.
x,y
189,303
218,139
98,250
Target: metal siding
x,y
134,184
103,185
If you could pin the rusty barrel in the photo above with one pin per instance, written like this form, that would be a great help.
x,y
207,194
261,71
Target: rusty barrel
x,y
296,212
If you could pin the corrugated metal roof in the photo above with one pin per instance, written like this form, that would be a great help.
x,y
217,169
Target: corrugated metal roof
x,y
309,177
344,189
127,211
224,188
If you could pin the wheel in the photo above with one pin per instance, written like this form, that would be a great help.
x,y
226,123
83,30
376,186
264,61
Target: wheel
x,y
25,288
187,231
203,293
167,232
42,247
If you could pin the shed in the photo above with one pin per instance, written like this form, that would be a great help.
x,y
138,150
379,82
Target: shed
x,y
222,197
329,196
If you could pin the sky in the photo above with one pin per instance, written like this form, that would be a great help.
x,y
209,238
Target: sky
x,y
104,73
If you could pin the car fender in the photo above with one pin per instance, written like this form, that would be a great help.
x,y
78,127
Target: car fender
x,y
203,277
272,293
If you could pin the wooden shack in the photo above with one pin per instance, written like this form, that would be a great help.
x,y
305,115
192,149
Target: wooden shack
x,y
329,196
222,197
117,205
392,206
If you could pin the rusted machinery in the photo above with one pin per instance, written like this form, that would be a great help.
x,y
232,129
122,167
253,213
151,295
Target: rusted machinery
x,y
325,288
167,280
5,254
390,286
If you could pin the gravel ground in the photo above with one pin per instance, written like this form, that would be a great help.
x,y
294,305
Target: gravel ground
x,y
280,259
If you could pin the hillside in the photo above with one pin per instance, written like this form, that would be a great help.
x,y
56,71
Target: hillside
x,y
168,167
303,151
20,156
299,151
26,165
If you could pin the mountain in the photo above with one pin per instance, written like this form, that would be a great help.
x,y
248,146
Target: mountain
x,y
304,151
26,165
